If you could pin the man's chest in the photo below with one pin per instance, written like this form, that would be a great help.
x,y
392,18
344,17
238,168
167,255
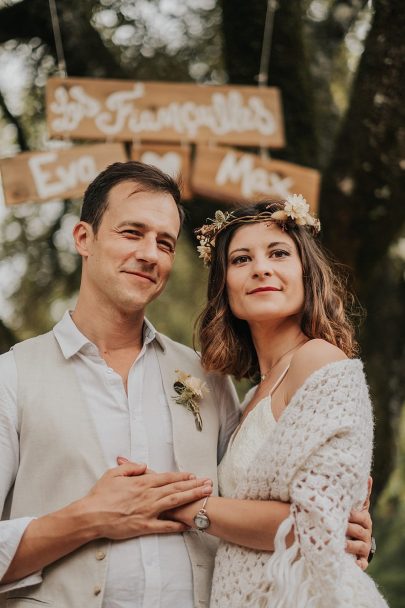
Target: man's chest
x,y
132,421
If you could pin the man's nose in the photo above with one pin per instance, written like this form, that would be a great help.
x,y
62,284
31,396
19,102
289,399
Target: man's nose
x,y
147,250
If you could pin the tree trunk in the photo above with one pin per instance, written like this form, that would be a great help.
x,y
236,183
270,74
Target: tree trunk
x,y
363,210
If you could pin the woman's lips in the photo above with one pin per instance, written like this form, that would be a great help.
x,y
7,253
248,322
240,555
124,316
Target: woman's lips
x,y
259,289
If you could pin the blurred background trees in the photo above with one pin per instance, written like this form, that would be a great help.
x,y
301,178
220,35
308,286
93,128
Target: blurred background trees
x,y
340,67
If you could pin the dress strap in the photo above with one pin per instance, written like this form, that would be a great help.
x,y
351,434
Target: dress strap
x,y
279,380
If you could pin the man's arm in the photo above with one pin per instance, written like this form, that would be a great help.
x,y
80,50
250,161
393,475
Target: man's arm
x,y
124,503
11,531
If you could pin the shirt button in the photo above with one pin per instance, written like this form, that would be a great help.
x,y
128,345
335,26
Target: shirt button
x,y
100,554
97,590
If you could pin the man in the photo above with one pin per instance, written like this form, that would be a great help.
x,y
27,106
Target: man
x,y
80,530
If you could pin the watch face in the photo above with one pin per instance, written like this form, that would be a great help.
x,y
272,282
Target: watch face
x,y
201,521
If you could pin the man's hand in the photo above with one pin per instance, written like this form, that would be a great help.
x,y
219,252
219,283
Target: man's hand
x,y
359,531
124,503
127,501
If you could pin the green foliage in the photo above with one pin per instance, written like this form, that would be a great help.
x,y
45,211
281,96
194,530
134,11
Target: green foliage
x,y
388,566
43,271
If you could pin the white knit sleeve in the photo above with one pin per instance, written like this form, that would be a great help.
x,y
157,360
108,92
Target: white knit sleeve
x,y
322,494
314,572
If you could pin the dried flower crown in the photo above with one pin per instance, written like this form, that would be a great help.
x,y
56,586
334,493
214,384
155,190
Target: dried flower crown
x,y
295,213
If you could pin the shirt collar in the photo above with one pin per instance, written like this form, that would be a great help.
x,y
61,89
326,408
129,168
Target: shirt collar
x,y
71,340
150,333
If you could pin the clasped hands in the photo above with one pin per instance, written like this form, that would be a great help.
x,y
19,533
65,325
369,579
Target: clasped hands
x,y
130,501
127,501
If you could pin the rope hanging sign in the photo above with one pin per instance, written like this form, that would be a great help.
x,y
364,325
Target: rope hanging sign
x,y
58,38
263,76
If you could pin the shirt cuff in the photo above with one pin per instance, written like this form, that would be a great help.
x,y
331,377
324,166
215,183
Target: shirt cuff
x,y
11,532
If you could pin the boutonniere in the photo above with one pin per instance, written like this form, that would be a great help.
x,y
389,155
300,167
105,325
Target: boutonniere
x,y
190,391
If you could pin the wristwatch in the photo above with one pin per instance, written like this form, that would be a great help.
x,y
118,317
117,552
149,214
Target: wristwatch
x,y
201,519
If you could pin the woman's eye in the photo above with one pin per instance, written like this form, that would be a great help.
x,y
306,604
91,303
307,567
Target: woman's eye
x,y
279,253
241,259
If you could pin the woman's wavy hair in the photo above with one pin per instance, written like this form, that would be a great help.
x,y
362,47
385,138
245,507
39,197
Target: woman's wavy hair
x,y
226,342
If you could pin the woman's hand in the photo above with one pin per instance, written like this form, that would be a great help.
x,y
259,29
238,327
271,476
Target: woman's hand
x,y
359,532
359,536
184,514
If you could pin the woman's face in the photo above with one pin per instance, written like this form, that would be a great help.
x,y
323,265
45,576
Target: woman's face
x,y
264,274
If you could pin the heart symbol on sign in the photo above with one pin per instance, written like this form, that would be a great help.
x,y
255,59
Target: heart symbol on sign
x,y
169,163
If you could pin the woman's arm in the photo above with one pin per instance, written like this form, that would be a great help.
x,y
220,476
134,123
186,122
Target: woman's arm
x,y
251,523
254,524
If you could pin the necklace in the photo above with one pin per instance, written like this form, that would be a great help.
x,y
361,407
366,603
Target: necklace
x,y
266,373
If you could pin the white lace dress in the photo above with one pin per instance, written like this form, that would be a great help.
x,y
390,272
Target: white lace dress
x,y
247,439
316,456
243,447
245,443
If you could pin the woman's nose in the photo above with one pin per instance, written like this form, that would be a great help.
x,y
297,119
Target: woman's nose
x,y
262,267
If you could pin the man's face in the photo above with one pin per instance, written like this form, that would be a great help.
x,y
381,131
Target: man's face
x,y
128,262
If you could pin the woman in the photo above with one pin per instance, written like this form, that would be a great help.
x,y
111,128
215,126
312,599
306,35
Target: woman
x,y
276,311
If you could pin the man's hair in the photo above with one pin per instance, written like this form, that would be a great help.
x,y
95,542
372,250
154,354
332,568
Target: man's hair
x,y
226,342
147,177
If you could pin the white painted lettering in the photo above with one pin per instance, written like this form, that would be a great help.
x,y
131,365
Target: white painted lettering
x,y
63,177
40,176
227,113
119,103
234,170
72,106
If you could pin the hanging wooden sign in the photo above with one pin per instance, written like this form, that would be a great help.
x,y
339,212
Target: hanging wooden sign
x,y
231,176
171,159
154,111
65,173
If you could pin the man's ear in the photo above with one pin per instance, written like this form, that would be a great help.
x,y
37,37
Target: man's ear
x,y
83,236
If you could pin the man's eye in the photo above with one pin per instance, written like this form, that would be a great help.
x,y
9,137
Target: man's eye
x,y
166,245
130,232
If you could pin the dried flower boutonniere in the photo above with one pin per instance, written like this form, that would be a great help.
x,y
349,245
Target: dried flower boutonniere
x,y
190,391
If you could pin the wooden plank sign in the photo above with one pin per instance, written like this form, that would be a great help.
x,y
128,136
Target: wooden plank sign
x,y
173,160
65,173
124,110
231,176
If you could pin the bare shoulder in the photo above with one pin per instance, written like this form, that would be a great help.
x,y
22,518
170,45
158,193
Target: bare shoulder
x,y
314,355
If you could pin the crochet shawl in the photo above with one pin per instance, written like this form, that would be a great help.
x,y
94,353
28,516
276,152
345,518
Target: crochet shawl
x,y
318,458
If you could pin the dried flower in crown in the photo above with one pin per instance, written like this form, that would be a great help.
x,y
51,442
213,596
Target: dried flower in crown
x,y
207,233
296,209
295,212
